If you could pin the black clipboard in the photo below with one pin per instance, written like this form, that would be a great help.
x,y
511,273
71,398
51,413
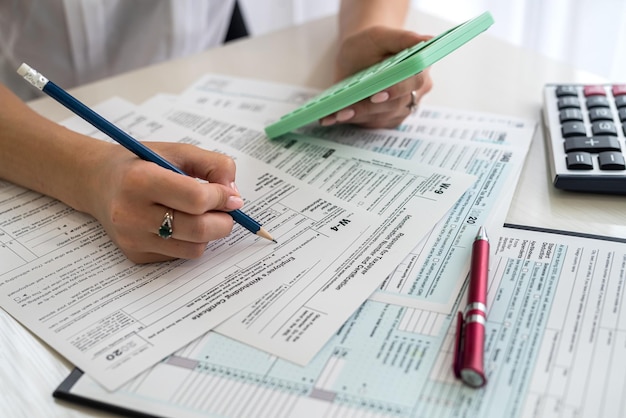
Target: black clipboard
x,y
64,392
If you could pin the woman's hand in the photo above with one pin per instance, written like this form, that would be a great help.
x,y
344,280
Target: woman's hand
x,y
130,197
387,108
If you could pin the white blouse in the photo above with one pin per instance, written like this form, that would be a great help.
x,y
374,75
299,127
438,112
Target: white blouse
x,y
74,42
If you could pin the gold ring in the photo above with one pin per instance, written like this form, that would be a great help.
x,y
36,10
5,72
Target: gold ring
x,y
165,230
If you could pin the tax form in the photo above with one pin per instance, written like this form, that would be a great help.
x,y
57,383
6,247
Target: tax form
x,y
492,147
114,319
555,346
402,192
63,278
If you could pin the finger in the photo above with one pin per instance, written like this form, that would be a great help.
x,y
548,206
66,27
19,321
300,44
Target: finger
x,y
420,83
144,258
191,228
181,248
175,248
399,97
385,115
360,112
395,107
163,250
190,235
155,184
368,114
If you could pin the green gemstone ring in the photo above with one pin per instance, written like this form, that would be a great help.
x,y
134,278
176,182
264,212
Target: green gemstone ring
x,y
165,230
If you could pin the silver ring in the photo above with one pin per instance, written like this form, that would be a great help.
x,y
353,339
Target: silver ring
x,y
165,230
413,104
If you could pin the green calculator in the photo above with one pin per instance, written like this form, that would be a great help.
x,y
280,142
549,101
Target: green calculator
x,y
379,76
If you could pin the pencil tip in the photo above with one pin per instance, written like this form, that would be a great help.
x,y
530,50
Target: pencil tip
x,y
263,233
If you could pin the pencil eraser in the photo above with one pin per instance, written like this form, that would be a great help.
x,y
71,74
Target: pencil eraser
x,y
24,69
32,76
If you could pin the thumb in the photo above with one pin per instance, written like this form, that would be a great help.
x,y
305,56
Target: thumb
x,y
223,198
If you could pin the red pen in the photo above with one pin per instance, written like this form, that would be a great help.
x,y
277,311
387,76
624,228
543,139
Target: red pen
x,y
470,333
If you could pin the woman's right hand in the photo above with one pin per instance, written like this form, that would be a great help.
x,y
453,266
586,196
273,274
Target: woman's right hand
x,y
130,197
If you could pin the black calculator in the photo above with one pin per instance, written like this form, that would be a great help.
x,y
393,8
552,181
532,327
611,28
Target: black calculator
x,y
585,130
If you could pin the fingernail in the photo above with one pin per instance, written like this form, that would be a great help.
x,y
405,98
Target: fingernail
x,y
234,187
381,96
234,202
345,115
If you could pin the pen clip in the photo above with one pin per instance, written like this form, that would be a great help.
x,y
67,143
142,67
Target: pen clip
x,y
458,345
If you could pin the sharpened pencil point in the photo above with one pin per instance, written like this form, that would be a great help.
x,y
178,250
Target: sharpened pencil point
x,y
263,233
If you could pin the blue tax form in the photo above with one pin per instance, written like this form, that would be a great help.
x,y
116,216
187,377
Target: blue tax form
x,y
555,345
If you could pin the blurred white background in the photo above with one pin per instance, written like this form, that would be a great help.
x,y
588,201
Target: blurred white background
x,y
589,35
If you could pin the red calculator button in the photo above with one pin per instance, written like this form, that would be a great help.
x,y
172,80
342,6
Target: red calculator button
x,y
619,89
594,91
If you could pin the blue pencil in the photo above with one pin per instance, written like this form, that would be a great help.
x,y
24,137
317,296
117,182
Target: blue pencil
x,y
130,143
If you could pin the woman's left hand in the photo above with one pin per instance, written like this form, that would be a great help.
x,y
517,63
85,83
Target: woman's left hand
x,y
389,107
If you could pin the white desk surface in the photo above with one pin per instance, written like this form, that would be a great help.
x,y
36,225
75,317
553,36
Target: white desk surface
x,y
485,75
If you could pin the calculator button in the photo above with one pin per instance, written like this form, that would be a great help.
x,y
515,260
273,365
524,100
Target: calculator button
x,y
622,114
579,161
570,129
568,102
562,91
611,160
620,101
569,115
603,128
594,91
597,101
600,113
593,144
619,90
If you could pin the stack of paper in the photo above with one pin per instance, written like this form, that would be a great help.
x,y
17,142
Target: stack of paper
x,y
350,312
